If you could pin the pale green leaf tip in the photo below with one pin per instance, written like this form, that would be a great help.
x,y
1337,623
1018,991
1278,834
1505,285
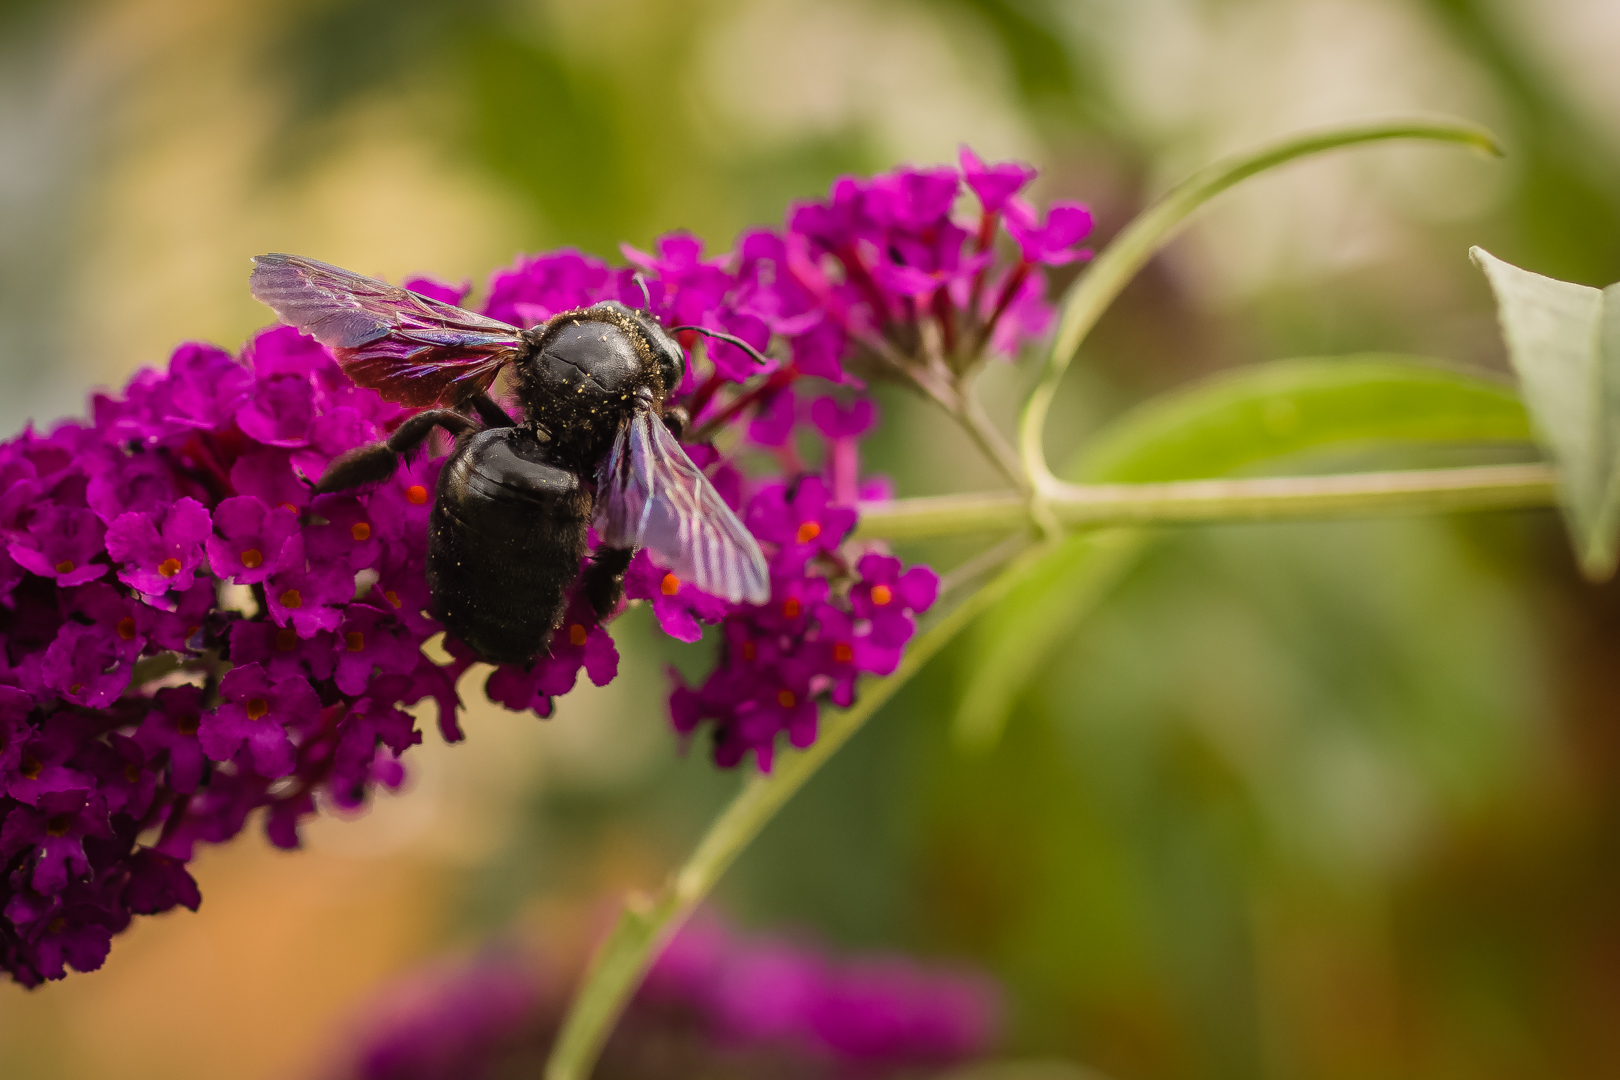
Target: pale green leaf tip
x,y
1487,141
1598,556
1480,138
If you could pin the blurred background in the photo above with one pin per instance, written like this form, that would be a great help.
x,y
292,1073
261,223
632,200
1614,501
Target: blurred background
x,y
1312,801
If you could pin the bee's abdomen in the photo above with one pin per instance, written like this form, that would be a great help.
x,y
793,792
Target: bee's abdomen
x,y
505,542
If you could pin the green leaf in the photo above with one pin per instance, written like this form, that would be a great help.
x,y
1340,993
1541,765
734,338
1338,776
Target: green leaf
x,y
1270,411
1564,342
1234,421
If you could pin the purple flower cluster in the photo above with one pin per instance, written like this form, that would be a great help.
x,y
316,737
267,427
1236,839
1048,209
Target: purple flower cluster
x,y
447,1020
835,613
880,1013
716,1004
885,254
188,635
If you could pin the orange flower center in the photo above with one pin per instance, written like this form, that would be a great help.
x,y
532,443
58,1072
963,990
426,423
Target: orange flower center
x,y
289,507
31,767
749,651
843,652
59,825
786,699
577,634
168,567
126,628
355,640
257,707
417,494
286,639
881,595
187,725
360,531
58,924
65,566
252,558
291,599
132,772
670,585
392,597
791,608
809,531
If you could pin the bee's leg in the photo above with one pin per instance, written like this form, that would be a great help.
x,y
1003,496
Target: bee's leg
x,y
604,579
375,463
490,411
677,420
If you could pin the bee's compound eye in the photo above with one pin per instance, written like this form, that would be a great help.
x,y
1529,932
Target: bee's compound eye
x,y
666,351
671,363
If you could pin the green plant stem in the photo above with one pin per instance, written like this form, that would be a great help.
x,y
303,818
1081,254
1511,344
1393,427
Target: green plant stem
x,y
952,393
1142,238
1489,487
971,415
648,921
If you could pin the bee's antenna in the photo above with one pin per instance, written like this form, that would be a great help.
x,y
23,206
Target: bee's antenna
x,y
646,297
728,338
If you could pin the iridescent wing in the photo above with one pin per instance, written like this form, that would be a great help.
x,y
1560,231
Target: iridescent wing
x,y
649,494
409,348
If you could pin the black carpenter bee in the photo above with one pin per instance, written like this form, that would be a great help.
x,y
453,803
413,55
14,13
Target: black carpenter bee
x,y
508,526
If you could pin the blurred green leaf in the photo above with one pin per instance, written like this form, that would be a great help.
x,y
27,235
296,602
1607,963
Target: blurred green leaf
x,y
1269,411
1012,639
557,131
1053,74
1231,422
1564,341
